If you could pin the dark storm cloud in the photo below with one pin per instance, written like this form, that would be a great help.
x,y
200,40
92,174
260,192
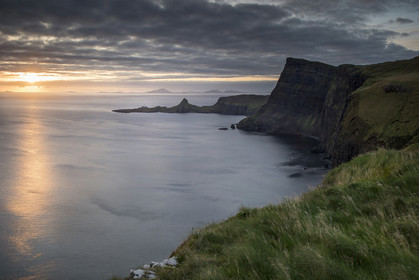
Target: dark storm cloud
x,y
191,36
404,20
348,11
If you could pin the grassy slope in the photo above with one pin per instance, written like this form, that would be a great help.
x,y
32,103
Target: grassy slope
x,y
361,223
389,106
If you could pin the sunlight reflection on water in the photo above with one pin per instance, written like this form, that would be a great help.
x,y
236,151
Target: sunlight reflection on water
x,y
31,192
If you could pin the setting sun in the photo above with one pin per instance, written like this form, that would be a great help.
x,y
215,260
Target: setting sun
x,y
36,77
30,77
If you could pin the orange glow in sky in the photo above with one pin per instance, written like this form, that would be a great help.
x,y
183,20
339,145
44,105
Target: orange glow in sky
x,y
36,77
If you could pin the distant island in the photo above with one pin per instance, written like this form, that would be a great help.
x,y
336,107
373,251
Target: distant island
x,y
245,104
160,90
163,90
225,91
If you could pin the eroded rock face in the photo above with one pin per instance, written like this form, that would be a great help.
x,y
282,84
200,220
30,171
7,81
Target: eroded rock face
x,y
309,98
327,102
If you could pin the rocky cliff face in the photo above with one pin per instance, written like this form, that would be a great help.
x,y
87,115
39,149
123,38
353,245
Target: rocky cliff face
x,y
324,101
244,104
309,98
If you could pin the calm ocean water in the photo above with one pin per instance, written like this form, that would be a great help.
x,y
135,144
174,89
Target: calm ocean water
x,y
86,193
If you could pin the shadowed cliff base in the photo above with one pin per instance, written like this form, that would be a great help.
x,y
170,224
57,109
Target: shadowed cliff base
x,y
350,109
245,104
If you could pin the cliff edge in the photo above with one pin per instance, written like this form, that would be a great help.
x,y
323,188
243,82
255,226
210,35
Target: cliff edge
x,y
350,109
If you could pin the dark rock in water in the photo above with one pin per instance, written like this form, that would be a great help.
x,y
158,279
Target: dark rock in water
x,y
295,175
233,126
223,128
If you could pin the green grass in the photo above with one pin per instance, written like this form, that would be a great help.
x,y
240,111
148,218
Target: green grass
x,y
390,116
361,223
380,108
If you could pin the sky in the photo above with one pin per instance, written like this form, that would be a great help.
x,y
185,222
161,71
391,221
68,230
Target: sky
x,y
192,45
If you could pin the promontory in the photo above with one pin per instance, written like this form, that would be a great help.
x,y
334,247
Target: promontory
x,y
245,104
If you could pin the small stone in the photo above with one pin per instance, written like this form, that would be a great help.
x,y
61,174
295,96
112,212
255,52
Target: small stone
x,y
170,262
138,273
153,264
223,128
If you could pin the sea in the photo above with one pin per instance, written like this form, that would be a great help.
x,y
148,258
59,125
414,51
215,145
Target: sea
x,y
86,193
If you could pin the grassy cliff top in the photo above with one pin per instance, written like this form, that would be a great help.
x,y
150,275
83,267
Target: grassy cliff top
x,y
392,67
385,107
361,223
402,74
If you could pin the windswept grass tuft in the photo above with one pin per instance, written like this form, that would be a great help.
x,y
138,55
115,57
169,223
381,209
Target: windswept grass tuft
x,y
361,223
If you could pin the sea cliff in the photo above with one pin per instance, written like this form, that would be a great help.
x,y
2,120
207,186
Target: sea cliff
x,y
350,109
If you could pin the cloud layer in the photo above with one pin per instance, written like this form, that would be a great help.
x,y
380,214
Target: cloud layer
x,y
134,39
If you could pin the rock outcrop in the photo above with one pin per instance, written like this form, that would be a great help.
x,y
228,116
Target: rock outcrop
x,y
245,104
147,270
350,109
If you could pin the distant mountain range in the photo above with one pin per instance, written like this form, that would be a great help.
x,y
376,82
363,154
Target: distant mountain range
x,y
226,91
